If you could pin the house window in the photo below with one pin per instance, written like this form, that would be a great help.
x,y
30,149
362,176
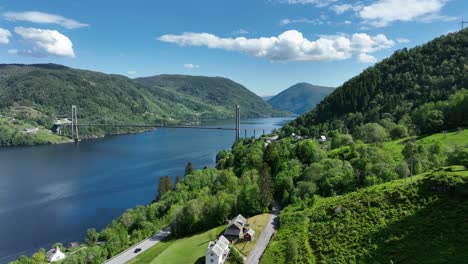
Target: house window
x,y
212,260
211,254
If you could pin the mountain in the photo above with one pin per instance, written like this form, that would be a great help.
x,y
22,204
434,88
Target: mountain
x,y
34,95
220,93
267,97
300,98
404,88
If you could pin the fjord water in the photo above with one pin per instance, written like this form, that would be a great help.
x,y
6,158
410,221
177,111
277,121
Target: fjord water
x,y
55,193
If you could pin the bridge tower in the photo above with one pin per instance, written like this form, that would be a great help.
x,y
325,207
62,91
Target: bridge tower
x,y
74,124
237,123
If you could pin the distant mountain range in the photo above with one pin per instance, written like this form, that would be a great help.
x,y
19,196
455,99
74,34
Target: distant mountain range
x,y
299,98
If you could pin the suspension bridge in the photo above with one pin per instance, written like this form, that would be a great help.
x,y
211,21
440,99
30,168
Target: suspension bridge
x,y
65,122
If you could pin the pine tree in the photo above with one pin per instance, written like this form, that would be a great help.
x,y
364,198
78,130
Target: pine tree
x,y
189,168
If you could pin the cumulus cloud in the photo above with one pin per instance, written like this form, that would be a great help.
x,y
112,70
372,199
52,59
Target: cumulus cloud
x,y
384,12
131,72
191,66
5,35
49,41
43,18
366,58
289,46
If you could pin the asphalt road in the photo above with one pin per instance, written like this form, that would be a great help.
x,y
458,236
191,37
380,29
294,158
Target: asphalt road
x,y
262,241
129,254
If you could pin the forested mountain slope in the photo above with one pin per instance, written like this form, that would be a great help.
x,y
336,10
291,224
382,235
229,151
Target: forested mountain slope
x,y
220,92
397,87
52,89
300,98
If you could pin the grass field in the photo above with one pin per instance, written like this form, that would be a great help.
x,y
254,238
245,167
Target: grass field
x,y
184,250
388,223
257,223
447,139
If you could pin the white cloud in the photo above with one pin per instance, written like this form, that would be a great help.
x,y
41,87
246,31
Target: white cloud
x,y
288,46
49,41
348,22
43,18
191,66
131,72
302,21
366,58
12,51
5,35
402,40
240,31
384,12
342,8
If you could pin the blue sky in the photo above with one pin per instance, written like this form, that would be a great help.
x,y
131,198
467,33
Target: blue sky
x,y
266,45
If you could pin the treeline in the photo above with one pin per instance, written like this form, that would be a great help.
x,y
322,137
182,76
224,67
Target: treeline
x,y
395,88
428,118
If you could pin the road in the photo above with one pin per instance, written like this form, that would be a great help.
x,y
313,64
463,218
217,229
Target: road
x,y
129,254
262,241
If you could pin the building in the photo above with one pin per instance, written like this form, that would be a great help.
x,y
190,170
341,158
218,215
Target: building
x,y
218,251
249,235
55,255
322,138
235,228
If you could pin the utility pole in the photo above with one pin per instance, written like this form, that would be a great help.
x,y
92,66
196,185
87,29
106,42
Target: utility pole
x,y
463,24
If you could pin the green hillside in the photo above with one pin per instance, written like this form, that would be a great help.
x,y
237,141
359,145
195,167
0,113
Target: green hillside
x,y
220,93
34,95
404,88
423,222
300,98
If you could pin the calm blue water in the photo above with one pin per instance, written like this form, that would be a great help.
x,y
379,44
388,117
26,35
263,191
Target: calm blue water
x,y
55,193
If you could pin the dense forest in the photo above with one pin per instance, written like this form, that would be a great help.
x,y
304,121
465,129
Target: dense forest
x,y
403,88
300,98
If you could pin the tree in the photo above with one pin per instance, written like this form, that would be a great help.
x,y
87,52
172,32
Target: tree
x,y
164,186
399,131
91,237
266,187
189,168
371,133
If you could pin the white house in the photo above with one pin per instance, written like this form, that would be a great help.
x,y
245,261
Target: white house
x,y
322,138
217,251
55,255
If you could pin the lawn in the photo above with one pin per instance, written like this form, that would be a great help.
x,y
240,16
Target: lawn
x,y
257,223
153,252
183,250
